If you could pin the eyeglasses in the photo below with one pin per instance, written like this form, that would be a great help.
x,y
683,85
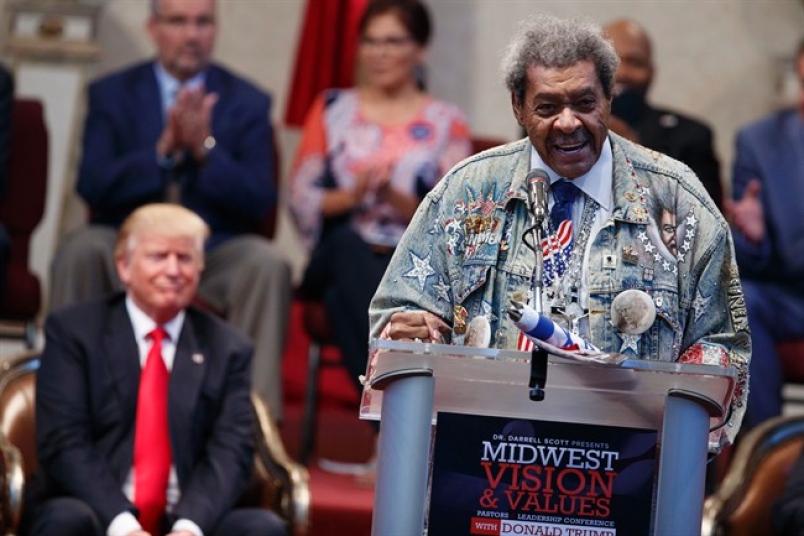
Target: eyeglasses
x,y
387,43
180,22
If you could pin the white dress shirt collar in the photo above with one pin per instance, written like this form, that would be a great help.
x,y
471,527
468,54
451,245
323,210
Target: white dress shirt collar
x,y
143,325
169,85
595,183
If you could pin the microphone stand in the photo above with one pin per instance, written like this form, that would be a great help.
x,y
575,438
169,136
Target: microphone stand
x,y
538,356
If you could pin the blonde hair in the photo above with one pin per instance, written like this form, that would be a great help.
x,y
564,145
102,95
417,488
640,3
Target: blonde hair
x,y
166,219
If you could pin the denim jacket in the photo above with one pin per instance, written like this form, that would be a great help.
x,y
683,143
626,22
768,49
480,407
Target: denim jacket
x,y
463,256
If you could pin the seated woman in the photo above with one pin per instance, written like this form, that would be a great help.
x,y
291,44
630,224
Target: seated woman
x,y
367,157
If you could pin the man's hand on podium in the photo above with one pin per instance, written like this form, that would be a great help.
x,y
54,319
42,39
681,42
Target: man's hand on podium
x,y
415,326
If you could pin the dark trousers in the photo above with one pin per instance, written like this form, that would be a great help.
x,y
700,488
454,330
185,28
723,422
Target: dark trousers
x,y
344,271
67,516
774,314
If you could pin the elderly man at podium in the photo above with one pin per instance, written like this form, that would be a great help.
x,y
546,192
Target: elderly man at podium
x,y
468,253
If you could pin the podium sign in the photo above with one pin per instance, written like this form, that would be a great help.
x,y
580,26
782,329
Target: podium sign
x,y
409,384
500,476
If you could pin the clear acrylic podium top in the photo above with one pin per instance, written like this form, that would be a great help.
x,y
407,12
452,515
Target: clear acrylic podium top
x,y
484,381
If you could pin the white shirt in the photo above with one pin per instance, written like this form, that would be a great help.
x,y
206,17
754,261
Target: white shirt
x,y
125,522
169,85
597,184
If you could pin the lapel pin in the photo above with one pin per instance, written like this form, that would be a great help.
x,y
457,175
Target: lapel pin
x,y
198,359
630,255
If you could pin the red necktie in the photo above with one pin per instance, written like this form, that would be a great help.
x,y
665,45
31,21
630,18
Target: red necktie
x,y
152,439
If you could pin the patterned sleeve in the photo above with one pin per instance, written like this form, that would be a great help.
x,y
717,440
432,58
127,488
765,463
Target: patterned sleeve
x,y
306,190
718,331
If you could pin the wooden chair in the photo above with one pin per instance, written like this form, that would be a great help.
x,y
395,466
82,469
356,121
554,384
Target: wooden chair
x,y
791,355
755,479
316,325
278,483
21,210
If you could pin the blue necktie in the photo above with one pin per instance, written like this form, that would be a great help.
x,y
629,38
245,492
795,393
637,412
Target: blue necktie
x,y
558,245
564,193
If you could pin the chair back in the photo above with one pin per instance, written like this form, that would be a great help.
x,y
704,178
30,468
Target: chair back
x,y
791,356
755,480
480,144
22,207
17,407
18,459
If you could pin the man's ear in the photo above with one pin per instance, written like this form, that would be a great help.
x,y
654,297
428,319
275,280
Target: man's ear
x,y
517,108
121,262
150,27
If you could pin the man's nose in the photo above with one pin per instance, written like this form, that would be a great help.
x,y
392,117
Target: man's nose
x,y
567,121
172,265
192,30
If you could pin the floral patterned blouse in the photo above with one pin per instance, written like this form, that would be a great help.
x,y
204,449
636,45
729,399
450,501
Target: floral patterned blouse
x,y
338,141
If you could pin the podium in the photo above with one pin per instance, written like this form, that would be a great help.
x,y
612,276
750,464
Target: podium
x,y
407,385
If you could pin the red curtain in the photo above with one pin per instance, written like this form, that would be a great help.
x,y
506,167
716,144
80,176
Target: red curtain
x,y
325,56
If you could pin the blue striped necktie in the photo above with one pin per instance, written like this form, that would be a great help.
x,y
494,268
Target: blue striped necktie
x,y
564,193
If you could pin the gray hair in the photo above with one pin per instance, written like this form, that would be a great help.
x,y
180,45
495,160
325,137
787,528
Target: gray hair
x,y
154,8
557,43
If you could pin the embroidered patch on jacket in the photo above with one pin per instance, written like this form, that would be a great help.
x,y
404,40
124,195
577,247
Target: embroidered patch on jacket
x,y
422,269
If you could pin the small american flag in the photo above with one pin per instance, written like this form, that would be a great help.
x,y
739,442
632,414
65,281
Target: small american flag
x,y
556,251
524,344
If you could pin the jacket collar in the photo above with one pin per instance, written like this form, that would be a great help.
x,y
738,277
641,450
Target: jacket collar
x,y
629,191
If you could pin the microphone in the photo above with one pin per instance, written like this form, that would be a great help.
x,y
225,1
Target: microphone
x,y
538,183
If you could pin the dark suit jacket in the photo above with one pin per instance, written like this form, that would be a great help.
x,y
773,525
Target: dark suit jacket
x,y
119,169
86,405
771,150
684,139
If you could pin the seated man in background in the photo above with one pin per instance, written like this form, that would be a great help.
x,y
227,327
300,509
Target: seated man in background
x,y
668,132
768,229
463,260
6,110
143,418
184,130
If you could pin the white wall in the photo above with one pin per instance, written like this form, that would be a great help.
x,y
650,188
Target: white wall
x,y
716,58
